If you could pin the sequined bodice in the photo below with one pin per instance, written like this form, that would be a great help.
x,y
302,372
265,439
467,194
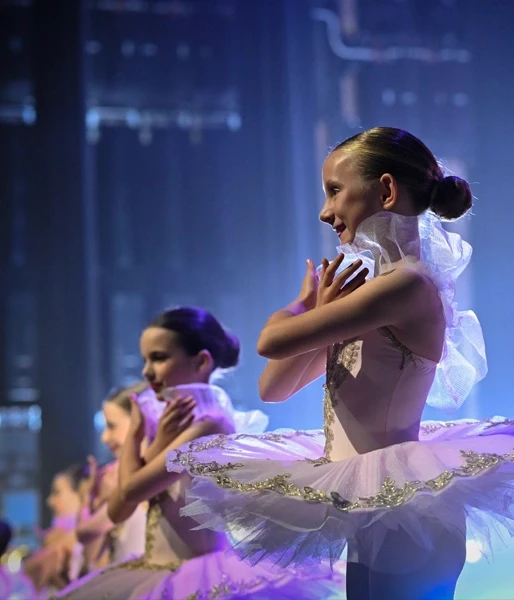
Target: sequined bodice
x,y
375,392
170,539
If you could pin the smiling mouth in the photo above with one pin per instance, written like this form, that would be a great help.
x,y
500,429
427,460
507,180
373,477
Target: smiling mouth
x,y
157,386
339,230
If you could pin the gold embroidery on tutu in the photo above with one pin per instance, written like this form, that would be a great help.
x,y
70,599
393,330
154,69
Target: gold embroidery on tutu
x,y
186,458
227,588
427,428
390,495
431,427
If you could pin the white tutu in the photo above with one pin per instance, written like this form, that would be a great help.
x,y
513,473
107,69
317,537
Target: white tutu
x,y
299,511
371,480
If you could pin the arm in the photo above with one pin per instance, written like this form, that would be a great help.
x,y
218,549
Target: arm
x,y
282,378
119,509
391,300
93,525
140,482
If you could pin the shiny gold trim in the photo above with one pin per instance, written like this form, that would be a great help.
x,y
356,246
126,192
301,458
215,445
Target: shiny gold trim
x,y
341,359
390,495
227,589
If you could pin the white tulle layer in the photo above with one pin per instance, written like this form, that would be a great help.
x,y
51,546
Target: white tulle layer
x,y
458,478
216,575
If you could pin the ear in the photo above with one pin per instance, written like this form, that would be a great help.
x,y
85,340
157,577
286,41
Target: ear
x,y
388,191
204,362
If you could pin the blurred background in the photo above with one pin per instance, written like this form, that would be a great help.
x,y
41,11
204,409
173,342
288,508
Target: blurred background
x,y
164,152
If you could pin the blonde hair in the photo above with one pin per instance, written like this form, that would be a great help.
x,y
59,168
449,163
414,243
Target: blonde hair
x,y
121,396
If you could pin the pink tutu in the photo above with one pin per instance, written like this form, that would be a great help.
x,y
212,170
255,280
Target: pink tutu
x,y
298,511
215,575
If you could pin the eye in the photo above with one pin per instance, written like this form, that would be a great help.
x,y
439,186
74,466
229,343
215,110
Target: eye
x,y
333,190
158,356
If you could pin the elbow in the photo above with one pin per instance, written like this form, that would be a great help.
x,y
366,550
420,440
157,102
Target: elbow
x,y
85,537
266,346
262,346
268,394
115,514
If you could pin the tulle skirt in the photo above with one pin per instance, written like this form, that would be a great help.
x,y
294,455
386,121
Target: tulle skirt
x,y
279,501
215,575
16,586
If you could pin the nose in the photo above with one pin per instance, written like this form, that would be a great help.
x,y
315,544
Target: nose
x,y
326,215
105,436
147,372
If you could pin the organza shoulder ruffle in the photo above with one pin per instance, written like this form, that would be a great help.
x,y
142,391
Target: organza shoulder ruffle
x,y
387,240
211,401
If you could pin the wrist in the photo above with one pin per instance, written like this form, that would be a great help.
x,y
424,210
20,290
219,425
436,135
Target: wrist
x,y
159,443
298,307
291,310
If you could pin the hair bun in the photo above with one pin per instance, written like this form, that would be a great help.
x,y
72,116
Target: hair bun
x,y
451,198
228,356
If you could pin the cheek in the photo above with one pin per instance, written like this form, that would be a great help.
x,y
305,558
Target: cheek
x,y
122,432
182,371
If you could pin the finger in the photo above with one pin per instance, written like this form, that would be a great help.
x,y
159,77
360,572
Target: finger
x,y
332,268
310,266
324,265
170,405
135,411
180,411
340,280
356,282
186,423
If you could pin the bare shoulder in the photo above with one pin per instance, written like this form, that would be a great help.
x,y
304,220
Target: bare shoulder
x,y
420,325
406,279
407,289
211,426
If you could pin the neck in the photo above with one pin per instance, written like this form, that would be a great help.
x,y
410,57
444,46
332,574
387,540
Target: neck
x,y
389,237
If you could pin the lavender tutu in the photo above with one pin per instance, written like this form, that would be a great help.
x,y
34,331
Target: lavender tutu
x,y
180,564
373,473
214,575
16,586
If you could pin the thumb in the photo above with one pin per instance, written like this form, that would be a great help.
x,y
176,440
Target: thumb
x,y
311,272
135,410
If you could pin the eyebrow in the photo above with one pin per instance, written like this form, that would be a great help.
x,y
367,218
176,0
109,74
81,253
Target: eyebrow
x,y
332,183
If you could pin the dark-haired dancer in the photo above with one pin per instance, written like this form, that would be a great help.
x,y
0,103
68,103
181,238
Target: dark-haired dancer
x,y
181,351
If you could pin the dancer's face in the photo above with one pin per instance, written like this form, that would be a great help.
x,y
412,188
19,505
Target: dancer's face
x,y
117,423
349,200
167,364
63,499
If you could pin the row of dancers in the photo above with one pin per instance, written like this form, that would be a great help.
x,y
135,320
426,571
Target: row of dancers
x,y
234,511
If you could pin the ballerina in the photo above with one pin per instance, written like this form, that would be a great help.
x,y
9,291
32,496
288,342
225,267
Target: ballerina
x,y
381,323
181,350
102,541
